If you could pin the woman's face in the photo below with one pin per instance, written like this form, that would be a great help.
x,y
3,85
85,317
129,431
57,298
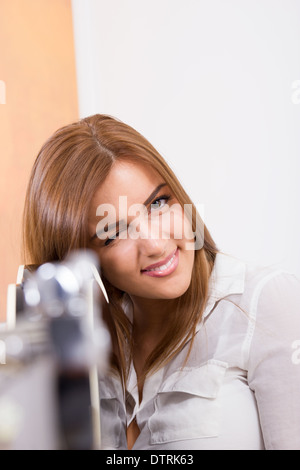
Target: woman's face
x,y
141,234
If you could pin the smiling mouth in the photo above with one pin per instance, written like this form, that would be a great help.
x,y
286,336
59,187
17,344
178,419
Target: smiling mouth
x,y
164,268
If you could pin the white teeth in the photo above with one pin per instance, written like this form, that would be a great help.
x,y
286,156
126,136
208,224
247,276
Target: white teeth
x,y
163,266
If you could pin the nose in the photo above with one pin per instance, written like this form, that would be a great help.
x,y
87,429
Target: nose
x,y
150,241
153,248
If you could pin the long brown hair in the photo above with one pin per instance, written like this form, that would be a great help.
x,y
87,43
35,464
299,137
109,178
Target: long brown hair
x,y
68,170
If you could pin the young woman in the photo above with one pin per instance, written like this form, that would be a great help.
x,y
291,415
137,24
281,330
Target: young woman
x,y
207,347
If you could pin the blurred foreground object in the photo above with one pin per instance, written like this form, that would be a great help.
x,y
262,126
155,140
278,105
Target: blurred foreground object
x,y
52,352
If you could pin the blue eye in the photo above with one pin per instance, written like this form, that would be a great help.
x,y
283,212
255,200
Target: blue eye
x,y
160,202
156,205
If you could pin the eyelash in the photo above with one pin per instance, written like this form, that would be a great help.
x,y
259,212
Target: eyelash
x,y
166,197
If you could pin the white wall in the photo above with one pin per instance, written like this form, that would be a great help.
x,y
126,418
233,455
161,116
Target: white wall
x,y
214,85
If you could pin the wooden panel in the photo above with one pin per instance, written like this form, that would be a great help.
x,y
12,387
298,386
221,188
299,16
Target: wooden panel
x,y
38,95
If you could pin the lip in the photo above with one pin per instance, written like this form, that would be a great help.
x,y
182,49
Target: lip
x,y
166,271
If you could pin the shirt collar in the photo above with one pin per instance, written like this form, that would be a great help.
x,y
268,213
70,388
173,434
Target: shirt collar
x,y
227,277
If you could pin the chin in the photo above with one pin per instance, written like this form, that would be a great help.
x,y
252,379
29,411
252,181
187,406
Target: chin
x,y
174,292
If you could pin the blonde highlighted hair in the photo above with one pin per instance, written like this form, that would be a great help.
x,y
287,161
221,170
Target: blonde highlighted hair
x,y
68,170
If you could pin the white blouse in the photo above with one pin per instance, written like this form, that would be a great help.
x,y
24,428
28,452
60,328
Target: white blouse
x,y
240,388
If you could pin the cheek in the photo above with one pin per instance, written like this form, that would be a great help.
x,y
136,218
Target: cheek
x,y
188,230
116,262
177,225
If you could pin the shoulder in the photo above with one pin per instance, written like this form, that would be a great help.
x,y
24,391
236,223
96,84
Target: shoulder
x,y
271,299
264,293
271,289
253,281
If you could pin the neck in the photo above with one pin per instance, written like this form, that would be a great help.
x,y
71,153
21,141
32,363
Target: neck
x,y
151,316
150,322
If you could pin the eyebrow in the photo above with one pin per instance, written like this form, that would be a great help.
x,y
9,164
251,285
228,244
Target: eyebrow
x,y
117,224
